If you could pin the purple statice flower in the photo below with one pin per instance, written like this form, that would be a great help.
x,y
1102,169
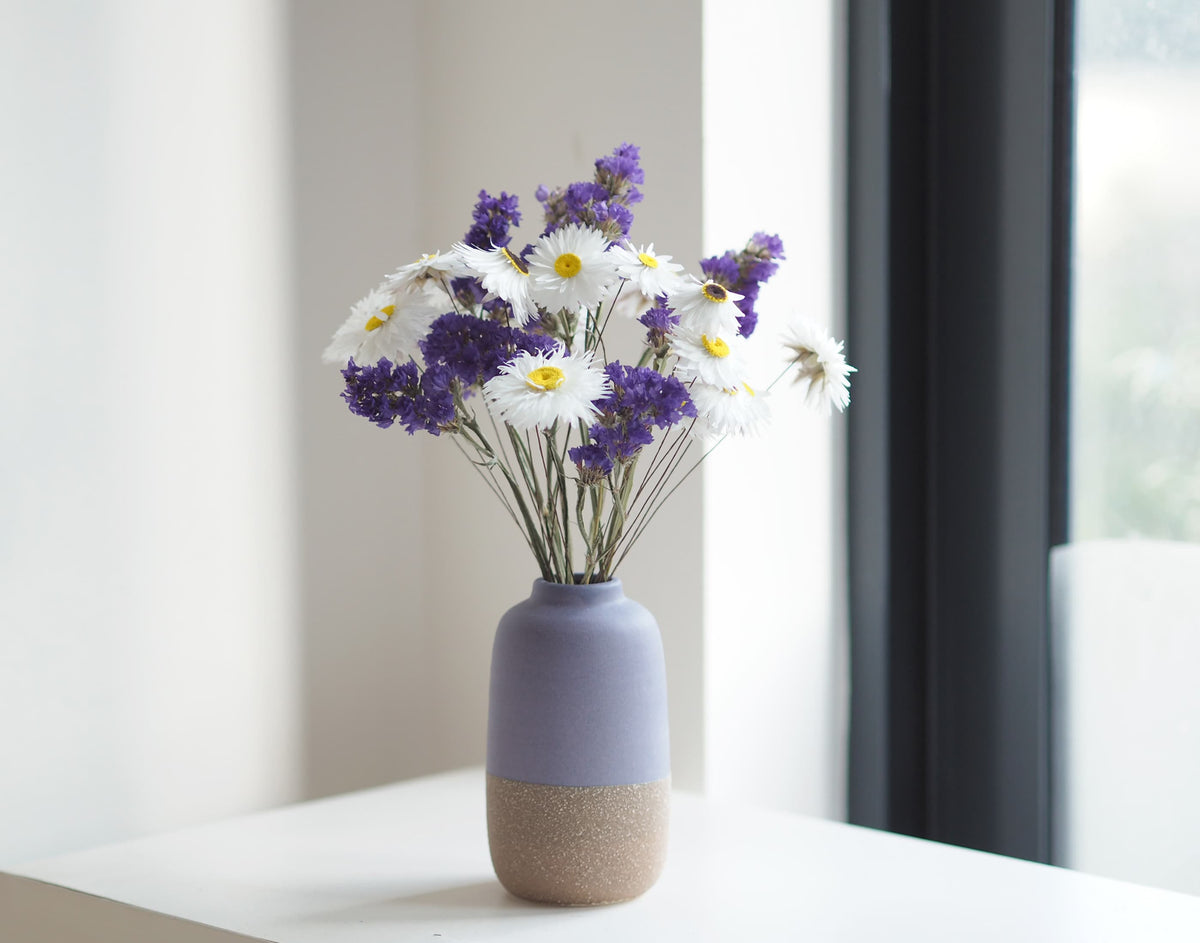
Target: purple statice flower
x,y
531,343
473,349
641,399
646,394
386,393
381,392
592,462
497,309
722,269
603,202
467,346
492,216
467,291
613,216
434,406
579,198
767,246
744,272
658,322
623,440
618,173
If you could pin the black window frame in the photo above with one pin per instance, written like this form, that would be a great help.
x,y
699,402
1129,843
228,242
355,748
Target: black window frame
x,y
959,138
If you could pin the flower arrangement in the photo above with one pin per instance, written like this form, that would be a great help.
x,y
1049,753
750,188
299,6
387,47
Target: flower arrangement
x,y
505,353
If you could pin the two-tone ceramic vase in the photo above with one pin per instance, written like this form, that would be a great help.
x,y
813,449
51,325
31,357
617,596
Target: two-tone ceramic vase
x,y
578,764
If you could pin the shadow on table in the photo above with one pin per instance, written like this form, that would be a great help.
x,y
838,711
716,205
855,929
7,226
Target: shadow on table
x,y
483,900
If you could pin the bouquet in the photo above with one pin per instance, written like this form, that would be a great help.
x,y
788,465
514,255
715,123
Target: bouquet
x,y
504,352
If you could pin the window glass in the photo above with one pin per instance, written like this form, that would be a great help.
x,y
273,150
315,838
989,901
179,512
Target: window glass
x,y
1126,588
1136,339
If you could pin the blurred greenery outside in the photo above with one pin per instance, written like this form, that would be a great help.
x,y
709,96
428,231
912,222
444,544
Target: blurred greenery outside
x,y
1135,383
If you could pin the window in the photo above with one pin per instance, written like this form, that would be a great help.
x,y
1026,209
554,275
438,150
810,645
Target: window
x,y
1022,299
1126,745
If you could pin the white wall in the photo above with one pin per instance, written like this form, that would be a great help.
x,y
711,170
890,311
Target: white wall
x,y
146,581
774,634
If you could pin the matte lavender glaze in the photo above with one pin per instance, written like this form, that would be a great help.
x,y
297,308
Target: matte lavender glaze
x,y
578,690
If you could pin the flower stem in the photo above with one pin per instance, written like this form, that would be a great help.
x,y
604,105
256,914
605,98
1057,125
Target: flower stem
x,y
534,538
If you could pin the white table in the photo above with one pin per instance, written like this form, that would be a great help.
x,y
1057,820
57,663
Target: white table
x,y
410,862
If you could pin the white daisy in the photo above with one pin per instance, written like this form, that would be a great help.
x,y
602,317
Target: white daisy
x,y
735,410
432,267
571,269
710,358
534,390
384,324
822,365
504,274
706,306
648,275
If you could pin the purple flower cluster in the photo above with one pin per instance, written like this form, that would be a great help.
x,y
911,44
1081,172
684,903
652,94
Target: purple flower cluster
x,y
658,322
592,463
493,216
386,393
618,173
472,349
744,272
603,202
641,399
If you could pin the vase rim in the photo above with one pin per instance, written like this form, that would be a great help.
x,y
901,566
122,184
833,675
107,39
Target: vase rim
x,y
546,589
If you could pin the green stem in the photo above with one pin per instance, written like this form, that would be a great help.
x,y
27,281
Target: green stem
x,y
525,462
597,498
558,540
637,531
618,517
534,539
557,457
490,481
580,500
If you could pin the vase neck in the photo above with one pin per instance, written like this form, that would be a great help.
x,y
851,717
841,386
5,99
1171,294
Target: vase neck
x,y
576,594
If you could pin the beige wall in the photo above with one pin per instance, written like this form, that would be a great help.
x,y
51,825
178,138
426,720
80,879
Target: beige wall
x,y
357,138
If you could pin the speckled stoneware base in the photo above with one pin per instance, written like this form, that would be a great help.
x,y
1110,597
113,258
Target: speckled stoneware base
x,y
577,845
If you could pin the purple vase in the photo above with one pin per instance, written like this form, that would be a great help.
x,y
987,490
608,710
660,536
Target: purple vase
x,y
578,759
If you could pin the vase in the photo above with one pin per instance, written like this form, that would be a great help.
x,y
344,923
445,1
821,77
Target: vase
x,y
578,758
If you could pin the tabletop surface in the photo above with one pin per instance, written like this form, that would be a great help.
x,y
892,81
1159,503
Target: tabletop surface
x,y
410,862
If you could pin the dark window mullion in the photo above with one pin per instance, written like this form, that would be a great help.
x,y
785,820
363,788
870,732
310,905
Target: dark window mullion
x,y
948,615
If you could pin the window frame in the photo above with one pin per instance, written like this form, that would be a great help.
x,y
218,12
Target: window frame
x,y
958,195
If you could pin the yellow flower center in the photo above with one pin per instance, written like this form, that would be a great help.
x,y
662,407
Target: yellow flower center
x,y
515,261
647,260
714,292
568,265
545,378
376,322
716,346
